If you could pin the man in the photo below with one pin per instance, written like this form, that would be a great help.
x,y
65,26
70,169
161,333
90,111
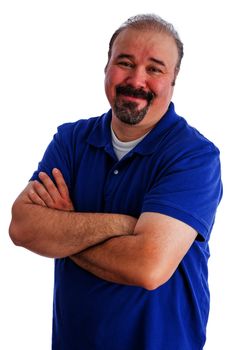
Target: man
x,y
126,202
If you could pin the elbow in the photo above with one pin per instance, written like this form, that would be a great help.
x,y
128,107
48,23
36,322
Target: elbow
x,y
15,234
17,230
152,278
150,283
153,283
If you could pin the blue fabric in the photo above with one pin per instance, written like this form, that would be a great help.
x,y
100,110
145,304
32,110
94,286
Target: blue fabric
x,y
175,171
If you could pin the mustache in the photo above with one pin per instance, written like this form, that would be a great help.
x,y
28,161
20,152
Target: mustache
x,y
128,90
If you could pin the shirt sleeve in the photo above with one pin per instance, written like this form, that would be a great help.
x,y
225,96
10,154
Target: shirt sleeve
x,y
57,155
189,190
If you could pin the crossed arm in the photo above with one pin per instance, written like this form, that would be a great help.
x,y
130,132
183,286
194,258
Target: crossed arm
x,y
115,247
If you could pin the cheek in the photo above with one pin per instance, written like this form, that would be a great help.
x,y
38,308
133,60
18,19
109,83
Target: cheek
x,y
162,88
115,76
112,78
110,87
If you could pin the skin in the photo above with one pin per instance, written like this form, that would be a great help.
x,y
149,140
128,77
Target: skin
x,y
114,247
38,226
145,258
144,60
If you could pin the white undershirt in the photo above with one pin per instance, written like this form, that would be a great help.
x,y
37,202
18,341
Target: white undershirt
x,y
122,148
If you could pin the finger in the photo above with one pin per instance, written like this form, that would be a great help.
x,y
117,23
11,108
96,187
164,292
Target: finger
x,y
35,198
42,192
49,186
61,184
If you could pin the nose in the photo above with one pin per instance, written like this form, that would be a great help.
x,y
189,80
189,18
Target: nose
x,y
137,78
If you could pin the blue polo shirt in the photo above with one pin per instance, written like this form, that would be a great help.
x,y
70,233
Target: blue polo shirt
x,y
175,171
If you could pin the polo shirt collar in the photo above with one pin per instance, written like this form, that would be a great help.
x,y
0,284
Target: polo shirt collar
x,y
152,140
101,134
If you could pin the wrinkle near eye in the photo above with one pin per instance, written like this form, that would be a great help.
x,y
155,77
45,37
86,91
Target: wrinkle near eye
x,y
126,64
154,70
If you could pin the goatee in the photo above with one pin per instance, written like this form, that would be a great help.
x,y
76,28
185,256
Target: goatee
x,y
127,111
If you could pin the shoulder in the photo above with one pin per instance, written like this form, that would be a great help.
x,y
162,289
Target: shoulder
x,y
81,126
186,142
79,131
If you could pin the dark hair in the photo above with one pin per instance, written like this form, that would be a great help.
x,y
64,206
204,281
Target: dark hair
x,y
150,22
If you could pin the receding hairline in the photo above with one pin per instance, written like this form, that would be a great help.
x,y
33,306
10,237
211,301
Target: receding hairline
x,y
149,22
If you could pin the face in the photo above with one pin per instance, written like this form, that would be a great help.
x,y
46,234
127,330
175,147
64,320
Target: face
x,y
140,76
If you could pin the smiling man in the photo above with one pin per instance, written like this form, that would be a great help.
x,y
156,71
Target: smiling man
x,y
140,77
125,203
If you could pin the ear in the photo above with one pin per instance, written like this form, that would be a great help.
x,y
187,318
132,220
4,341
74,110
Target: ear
x,y
106,67
177,69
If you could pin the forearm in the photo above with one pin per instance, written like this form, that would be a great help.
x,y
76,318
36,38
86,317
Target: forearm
x,y
56,233
119,260
148,258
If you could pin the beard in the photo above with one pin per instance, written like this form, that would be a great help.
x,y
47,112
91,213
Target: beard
x,y
128,111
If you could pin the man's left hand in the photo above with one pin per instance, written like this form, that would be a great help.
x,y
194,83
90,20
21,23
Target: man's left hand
x,y
50,194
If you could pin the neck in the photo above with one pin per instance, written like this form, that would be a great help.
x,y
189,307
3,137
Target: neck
x,y
126,133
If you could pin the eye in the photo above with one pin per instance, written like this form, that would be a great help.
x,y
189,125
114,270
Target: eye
x,y
126,64
154,70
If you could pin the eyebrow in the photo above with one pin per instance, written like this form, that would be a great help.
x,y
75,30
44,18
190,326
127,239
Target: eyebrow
x,y
130,57
155,60
124,55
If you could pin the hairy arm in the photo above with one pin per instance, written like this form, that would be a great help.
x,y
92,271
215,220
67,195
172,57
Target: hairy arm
x,y
44,222
147,258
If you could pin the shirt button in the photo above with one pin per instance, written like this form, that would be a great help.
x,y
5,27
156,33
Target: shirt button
x,y
116,172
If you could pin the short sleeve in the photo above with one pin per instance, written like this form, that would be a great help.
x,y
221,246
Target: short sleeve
x,y
58,155
189,190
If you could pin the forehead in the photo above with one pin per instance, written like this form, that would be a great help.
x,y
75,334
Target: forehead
x,y
144,44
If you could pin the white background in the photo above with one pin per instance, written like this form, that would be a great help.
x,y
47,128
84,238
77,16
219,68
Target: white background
x,y
52,58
